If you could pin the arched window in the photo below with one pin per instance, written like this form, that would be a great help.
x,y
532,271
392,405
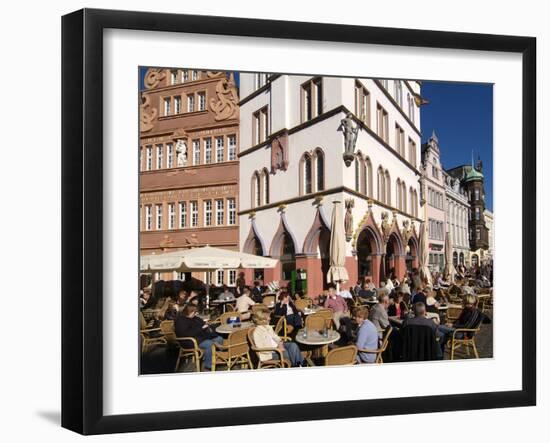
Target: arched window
x,y
255,187
368,177
320,170
403,197
265,186
388,188
307,174
357,174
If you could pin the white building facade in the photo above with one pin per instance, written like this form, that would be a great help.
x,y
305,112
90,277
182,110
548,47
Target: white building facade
x,y
487,258
458,207
434,194
307,142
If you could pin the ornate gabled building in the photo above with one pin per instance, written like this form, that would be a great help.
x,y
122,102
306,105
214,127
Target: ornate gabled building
x,y
189,144
458,209
472,179
310,141
433,192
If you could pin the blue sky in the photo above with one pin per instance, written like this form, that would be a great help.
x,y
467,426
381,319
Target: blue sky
x,y
462,116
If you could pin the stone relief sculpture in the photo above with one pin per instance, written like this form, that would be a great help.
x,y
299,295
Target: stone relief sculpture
x,y
225,106
147,114
407,231
153,77
348,219
279,153
350,131
181,152
385,226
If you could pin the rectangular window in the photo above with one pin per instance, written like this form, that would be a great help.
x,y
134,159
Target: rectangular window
x,y
260,125
220,275
207,150
159,217
171,215
148,218
260,80
478,234
232,277
173,77
219,149
149,164
478,213
183,215
159,156
169,155
231,211
194,214
399,140
202,101
382,122
312,99
476,194
194,75
362,103
177,105
208,213
185,75
196,152
167,106
412,152
190,103
232,148
219,212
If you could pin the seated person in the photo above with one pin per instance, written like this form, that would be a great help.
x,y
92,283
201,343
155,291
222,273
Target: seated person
x,y
286,307
367,335
383,289
338,305
419,297
367,291
378,313
187,324
185,298
171,312
257,292
345,294
226,294
397,307
244,302
264,337
470,317
420,319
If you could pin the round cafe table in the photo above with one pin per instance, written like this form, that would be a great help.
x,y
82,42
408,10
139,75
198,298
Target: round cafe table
x,y
222,303
228,328
312,310
316,339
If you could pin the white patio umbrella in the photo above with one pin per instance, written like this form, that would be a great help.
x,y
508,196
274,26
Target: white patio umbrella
x,y
202,259
425,273
449,272
337,272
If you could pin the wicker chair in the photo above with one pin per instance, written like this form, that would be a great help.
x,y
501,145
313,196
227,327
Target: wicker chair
x,y
382,348
467,340
234,351
149,336
268,300
453,313
282,328
341,356
222,319
189,347
272,363
302,304
315,322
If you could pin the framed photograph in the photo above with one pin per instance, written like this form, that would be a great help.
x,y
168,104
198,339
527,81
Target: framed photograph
x,y
269,221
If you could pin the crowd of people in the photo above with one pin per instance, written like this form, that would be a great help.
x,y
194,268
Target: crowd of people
x,y
362,314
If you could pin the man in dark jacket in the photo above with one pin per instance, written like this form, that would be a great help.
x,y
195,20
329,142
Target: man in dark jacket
x,y
187,324
257,292
425,344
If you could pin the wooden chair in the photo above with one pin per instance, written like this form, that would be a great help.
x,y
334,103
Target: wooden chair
x,y
453,313
315,322
467,340
302,303
268,300
327,314
234,351
272,363
382,348
189,347
167,328
341,356
149,336
222,319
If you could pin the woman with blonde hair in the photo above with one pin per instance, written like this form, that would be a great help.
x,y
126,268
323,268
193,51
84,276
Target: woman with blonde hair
x,y
264,337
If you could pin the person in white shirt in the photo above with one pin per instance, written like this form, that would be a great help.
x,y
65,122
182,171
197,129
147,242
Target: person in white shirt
x,y
244,303
264,337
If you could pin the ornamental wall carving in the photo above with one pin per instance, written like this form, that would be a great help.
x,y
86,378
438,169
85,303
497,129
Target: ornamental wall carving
x,y
153,77
225,104
279,153
147,114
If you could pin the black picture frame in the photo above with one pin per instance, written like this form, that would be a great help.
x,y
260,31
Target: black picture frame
x,y
82,216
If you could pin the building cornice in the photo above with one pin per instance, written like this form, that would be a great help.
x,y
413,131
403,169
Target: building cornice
x,y
258,91
324,193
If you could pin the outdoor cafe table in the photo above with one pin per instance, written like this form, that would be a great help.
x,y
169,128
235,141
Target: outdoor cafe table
x,y
312,310
315,338
228,328
221,303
